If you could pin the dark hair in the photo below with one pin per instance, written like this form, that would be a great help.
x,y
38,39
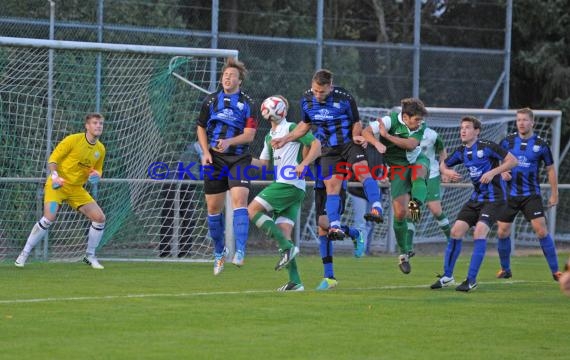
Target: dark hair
x,y
232,62
413,107
323,77
93,115
473,120
527,111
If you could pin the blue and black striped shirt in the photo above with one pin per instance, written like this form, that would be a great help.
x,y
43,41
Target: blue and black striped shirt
x,y
530,152
478,159
226,116
333,119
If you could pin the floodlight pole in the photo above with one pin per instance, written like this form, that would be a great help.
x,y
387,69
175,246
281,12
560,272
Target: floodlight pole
x,y
417,48
49,114
507,59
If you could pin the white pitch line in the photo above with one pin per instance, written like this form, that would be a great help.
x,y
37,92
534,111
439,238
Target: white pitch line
x,y
218,293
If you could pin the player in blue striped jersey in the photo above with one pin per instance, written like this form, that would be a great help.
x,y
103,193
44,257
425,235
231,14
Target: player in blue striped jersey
x,y
488,200
523,192
332,113
226,126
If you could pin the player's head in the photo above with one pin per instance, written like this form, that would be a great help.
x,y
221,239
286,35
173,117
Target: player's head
x,y
321,84
470,129
233,73
94,124
413,112
525,121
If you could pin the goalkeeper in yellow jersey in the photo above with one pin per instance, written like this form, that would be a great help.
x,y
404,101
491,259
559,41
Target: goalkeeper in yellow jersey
x,y
78,158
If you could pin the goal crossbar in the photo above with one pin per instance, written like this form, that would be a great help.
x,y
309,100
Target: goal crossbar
x,y
120,48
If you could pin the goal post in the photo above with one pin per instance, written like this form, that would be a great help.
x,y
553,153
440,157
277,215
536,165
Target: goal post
x,y
151,98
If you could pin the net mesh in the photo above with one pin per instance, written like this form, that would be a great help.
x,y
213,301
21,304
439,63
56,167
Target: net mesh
x,y
150,116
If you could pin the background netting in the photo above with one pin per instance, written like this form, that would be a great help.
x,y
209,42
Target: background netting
x,y
150,117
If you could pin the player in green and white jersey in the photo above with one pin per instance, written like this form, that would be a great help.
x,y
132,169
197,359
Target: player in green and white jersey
x,y
401,134
285,195
433,148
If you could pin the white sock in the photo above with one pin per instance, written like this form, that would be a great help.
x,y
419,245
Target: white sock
x,y
95,235
39,230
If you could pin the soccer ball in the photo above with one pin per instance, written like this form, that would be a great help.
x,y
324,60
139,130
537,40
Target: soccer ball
x,y
274,107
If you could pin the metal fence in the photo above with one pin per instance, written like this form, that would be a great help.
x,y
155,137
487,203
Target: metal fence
x,y
282,54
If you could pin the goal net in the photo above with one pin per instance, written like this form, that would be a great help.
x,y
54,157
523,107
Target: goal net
x,y
150,97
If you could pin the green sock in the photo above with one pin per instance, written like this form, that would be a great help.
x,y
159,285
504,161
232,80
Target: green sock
x,y
293,272
443,223
411,233
401,232
419,189
266,224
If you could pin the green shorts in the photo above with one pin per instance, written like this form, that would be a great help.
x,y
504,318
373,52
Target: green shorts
x,y
401,182
434,191
284,200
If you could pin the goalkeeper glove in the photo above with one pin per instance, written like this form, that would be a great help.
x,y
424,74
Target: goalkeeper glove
x,y
56,181
94,177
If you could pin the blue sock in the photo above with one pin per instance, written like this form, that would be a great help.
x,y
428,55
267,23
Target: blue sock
x,y
504,249
216,227
451,254
479,248
326,250
241,228
371,191
549,250
350,231
333,206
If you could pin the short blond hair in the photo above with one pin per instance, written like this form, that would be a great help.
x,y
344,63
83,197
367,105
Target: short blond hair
x,y
526,111
93,115
232,62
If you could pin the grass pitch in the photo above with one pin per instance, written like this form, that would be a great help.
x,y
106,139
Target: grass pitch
x,y
180,310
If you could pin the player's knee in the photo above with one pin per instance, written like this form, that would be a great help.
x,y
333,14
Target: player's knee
x,y
99,218
541,232
456,233
252,209
400,214
503,232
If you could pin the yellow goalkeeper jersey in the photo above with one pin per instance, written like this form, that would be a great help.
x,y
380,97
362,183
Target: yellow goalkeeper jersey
x,y
76,157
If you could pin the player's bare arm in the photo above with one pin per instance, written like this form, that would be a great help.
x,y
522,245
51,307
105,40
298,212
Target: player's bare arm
x,y
368,135
506,176
509,162
357,137
450,174
259,163
203,141
553,181
406,144
57,181
301,129
309,156
245,138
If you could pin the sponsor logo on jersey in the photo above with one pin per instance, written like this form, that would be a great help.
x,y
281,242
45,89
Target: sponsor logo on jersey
x,y
474,172
323,114
523,161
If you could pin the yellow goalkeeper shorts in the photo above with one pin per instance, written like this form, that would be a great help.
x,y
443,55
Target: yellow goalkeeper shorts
x,y
74,195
